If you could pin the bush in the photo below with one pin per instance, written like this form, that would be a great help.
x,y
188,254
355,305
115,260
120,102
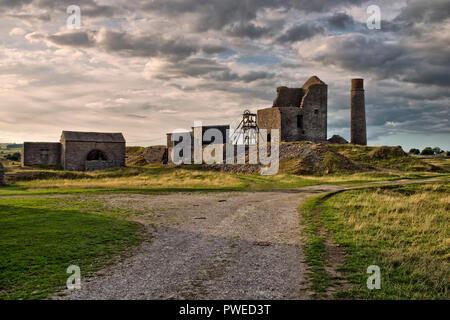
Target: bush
x,y
428,151
13,157
414,151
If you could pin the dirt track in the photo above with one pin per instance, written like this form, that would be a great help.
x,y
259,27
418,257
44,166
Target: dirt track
x,y
236,245
233,245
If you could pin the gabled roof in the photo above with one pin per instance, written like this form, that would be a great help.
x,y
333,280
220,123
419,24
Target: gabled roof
x,y
92,136
312,81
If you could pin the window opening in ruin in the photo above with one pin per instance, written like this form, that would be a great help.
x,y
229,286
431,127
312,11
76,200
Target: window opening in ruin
x,y
96,155
299,121
44,155
316,111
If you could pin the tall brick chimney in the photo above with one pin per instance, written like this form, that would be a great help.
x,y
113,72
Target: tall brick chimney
x,y
358,113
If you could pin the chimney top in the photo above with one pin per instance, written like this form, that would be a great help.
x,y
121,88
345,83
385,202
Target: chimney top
x,y
357,84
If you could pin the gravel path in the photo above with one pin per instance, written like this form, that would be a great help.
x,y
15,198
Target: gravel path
x,y
234,245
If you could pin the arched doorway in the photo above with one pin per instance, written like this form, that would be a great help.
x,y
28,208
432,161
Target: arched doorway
x,y
97,155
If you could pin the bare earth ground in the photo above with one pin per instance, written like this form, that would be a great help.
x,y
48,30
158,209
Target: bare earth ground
x,y
234,245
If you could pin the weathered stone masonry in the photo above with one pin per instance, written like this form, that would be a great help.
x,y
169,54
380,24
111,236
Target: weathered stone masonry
x,y
77,151
299,113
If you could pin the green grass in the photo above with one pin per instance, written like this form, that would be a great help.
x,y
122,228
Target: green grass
x,y
405,230
40,238
385,157
314,247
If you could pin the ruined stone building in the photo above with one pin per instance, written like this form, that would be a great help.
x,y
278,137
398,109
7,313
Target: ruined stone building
x,y
190,134
77,151
299,113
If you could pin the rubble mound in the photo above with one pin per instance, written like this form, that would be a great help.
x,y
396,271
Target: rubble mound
x,y
385,152
337,139
140,156
310,158
155,154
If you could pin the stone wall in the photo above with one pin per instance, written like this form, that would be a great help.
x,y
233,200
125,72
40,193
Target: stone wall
x,y
94,165
41,154
288,97
314,107
76,152
269,118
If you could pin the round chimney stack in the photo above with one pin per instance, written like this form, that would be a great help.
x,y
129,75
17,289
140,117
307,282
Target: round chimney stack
x,y
358,113
357,84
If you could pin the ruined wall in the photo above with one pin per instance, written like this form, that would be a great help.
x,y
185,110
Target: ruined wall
x,y
41,154
314,107
75,155
288,97
269,118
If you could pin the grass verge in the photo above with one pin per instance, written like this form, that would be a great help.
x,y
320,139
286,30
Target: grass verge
x,y
405,230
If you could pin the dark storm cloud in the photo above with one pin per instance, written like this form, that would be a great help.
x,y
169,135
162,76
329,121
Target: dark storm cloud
x,y
385,59
207,69
248,30
76,39
236,14
340,20
28,17
301,32
418,11
132,45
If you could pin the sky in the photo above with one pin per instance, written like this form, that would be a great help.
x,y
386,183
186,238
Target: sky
x,y
145,68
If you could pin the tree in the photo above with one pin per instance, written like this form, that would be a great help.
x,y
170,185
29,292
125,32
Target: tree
x,y
437,150
414,151
428,151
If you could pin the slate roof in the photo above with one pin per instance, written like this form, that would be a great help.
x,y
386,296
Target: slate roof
x,y
92,136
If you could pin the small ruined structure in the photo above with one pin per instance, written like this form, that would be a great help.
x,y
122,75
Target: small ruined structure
x,y
2,175
358,113
77,151
337,139
299,113
224,130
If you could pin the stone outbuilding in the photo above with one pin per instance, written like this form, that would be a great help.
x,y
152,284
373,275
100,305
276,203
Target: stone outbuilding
x,y
77,151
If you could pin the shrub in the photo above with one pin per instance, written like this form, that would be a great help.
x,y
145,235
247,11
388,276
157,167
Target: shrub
x,y
13,157
428,151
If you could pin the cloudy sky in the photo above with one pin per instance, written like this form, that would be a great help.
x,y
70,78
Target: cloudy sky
x,y
148,67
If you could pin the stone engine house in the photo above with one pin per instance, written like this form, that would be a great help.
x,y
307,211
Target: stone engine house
x,y
77,151
299,113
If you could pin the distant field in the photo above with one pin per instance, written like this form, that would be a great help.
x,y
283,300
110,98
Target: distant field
x,y
405,230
